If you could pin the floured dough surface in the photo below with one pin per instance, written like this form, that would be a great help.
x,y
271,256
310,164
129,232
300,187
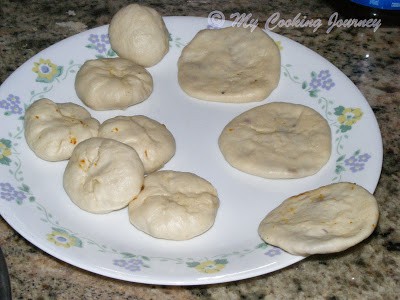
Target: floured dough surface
x,y
52,130
112,83
174,205
152,141
103,175
138,33
277,140
325,220
231,64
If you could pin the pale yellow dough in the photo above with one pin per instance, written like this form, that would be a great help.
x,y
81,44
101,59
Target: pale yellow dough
x,y
277,140
230,65
153,142
52,130
138,33
103,175
174,205
112,83
325,220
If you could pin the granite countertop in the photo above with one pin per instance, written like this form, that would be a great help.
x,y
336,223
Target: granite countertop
x,y
370,270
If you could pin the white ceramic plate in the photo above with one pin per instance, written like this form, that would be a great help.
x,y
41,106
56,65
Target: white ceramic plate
x,y
33,202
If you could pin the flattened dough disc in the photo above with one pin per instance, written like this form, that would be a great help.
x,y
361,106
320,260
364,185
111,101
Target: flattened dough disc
x,y
231,64
277,140
329,219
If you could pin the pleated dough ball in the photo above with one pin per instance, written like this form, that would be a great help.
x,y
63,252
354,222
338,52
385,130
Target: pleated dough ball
x,y
174,206
329,219
112,83
138,33
153,142
52,130
103,175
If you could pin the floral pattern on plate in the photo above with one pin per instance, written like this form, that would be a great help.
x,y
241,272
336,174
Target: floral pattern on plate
x,y
341,118
12,105
101,43
46,71
62,238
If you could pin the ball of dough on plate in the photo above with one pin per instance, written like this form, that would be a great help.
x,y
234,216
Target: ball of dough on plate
x,y
112,83
152,141
138,33
325,220
230,65
52,130
277,140
103,175
174,205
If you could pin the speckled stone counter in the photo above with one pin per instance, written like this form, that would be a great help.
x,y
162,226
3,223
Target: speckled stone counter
x,y
370,270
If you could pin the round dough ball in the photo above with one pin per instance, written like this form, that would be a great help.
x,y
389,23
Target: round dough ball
x,y
138,33
325,220
230,65
277,140
152,141
52,130
112,83
103,175
174,206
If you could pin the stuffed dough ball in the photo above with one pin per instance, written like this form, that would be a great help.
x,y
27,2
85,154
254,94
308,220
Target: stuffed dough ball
x,y
103,175
153,142
53,130
138,33
112,83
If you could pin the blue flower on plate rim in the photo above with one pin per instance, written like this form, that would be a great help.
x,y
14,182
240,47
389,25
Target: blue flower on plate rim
x,y
100,43
132,264
9,193
11,105
273,252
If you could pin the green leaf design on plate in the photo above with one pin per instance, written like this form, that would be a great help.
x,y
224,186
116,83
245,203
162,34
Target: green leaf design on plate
x,y
344,128
221,261
340,158
127,255
262,246
339,110
91,46
339,169
111,53
192,264
24,188
313,93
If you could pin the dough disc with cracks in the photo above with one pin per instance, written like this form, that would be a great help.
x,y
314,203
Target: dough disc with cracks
x,y
277,140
